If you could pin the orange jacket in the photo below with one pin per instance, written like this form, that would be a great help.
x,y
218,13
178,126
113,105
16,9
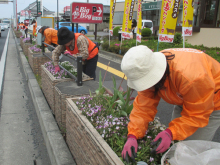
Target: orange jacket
x,y
21,26
194,83
50,36
92,52
34,29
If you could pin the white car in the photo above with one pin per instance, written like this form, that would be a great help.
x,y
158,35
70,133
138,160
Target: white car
x,y
2,27
6,25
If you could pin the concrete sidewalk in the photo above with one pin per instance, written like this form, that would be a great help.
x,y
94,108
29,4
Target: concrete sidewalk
x,y
21,140
28,130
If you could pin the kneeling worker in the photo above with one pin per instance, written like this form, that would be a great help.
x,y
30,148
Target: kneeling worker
x,y
49,33
78,45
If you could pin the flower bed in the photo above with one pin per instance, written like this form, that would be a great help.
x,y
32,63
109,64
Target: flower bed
x,y
85,143
48,80
36,59
97,128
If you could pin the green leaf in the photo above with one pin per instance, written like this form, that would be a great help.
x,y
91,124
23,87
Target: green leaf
x,y
97,91
100,80
90,93
119,102
123,113
129,108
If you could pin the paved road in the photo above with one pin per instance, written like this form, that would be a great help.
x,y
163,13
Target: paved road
x,y
164,109
2,41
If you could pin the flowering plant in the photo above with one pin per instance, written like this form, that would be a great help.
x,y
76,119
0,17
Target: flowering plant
x,y
26,40
62,74
107,113
35,49
22,37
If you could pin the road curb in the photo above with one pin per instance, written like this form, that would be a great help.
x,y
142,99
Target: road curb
x,y
57,148
111,56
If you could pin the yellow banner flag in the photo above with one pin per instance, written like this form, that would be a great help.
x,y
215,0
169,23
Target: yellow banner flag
x,y
168,19
112,11
187,25
139,22
127,18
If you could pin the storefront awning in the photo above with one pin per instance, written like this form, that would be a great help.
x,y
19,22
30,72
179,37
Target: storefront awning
x,y
155,6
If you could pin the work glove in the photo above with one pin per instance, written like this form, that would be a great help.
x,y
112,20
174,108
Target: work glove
x,y
162,141
67,52
130,149
57,68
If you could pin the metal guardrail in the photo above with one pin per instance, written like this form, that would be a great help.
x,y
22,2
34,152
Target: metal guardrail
x,y
78,60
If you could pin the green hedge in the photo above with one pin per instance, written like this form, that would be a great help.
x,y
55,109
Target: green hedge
x,y
115,31
152,44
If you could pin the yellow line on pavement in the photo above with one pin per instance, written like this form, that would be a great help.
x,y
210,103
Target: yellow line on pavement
x,y
111,70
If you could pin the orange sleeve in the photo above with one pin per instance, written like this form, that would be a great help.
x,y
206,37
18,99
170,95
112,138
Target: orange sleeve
x,y
144,111
48,36
198,104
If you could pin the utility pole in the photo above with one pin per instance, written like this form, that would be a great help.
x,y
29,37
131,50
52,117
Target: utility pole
x,y
37,8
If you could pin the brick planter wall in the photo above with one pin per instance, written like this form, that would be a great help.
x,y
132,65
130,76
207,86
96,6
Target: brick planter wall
x,y
18,34
48,82
36,60
21,42
85,143
66,90
25,48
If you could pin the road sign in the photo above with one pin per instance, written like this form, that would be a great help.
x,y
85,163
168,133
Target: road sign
x,y
86,12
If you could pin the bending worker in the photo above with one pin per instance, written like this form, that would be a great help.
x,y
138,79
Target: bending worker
x,y
50,35
78,45
187,78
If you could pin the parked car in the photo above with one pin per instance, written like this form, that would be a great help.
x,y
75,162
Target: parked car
x,y
148,24
81,29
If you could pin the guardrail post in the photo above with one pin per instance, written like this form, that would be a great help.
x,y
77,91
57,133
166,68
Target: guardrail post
x,y
79,71
43,50
31,38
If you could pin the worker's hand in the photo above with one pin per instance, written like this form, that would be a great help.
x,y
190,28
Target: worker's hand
x,y
57,68
162,141
130,149
67,52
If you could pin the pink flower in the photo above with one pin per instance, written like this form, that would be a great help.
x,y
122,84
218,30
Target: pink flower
x,y
117,44
217,52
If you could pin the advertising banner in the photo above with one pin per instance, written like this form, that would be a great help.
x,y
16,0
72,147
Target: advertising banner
x,y
168,19
112,11
139,22
187,24
127,18
86,12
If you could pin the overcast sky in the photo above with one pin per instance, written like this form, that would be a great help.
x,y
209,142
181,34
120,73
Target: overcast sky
x,y
6,10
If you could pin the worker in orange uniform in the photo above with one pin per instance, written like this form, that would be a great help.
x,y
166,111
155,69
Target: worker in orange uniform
x,y
34,23
21,26
78,45
50,35
187,78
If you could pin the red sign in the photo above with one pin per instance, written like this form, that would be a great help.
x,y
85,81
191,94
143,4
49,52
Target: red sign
x,y
66,8
86,12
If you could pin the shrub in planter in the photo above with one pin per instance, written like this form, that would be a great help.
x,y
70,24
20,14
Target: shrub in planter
x,y
146,32
115,31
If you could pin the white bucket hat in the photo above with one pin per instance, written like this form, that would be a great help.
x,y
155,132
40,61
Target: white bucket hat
x,y
143,67
38,28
